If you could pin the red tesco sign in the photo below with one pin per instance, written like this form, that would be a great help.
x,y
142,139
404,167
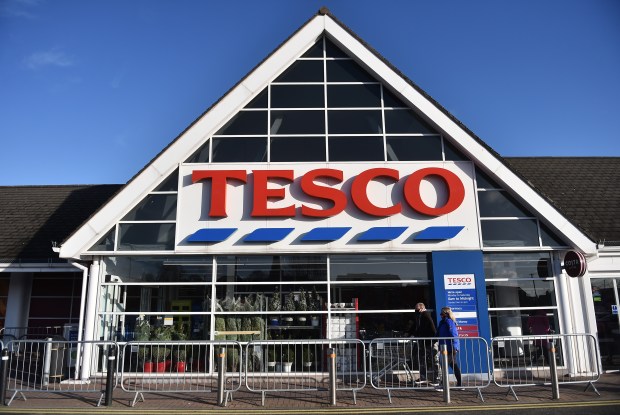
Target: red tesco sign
x,y
262,193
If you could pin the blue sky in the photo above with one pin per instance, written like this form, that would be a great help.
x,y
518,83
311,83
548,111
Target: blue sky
x,y
91,91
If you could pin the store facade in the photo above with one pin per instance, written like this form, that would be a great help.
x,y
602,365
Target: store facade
x,y
323,197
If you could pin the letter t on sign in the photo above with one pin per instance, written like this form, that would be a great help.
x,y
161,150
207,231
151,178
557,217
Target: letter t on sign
x,y
219,179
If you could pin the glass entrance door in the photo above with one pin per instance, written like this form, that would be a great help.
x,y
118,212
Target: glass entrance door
x,y
606,300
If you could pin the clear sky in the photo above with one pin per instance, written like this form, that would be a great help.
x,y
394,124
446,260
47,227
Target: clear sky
x,y
91,91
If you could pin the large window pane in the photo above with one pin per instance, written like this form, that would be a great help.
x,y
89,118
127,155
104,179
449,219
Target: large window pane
x,y
333,51
246,123
356,149
380,267
521,293
154,207
498,203
106,243
146,236
297,149
517,265
523,322
239,149
404,122
171,184
127,269
297,96
367,95
279,268
415,148
522,232
347,71
381,296
303,71
354,122
297,122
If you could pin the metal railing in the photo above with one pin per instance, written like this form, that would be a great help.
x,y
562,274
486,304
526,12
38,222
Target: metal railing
x,y
551,359
180,367
304,365
46,366
414,364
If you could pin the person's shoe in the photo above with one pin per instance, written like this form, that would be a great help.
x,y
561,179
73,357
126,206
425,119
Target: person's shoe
x,y
421,381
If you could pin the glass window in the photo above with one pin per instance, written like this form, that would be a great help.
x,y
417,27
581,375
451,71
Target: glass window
x,y
391,101
342,96
239,149
297,122
522,293
414,148
154,207
451,153
355,122
246,123
126,269
498,203
297,96
260,101
347,71
333,51
315,51
355,149
523,232
106,243
380,296
303,149
170,184
483,181
303,71
146,236
201,155
523,322
279,268
517,265
404,122
380,267
549,238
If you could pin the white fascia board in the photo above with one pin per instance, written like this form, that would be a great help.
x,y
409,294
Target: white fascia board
x,y
477,152
191,140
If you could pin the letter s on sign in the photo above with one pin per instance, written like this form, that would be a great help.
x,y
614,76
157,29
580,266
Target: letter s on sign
x,y
456,191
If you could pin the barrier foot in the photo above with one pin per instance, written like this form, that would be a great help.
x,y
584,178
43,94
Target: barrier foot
x,y
389,395
354,397
135,399
101,398
593,387
13,397
263,393
511,390
480,394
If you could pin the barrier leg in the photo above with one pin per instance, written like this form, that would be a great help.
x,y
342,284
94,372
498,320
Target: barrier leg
x,y
445,373
4,375
331,357
109,384
222,400
47,362
553,367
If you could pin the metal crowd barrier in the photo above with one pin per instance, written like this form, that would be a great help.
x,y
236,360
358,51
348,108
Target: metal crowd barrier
x,y
414,364
47,365
180,367
303,365
30,333
545,360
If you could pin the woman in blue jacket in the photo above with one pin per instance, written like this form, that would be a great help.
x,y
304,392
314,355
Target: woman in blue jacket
x,y
447,328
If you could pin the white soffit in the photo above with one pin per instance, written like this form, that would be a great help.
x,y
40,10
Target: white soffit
x,y
189,141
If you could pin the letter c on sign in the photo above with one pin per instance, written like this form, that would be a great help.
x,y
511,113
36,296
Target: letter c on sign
x,y
456,191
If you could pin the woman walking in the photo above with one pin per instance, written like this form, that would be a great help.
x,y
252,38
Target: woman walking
x,y
447,328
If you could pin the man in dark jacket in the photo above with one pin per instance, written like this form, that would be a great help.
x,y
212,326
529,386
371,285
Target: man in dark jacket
x,y
423,328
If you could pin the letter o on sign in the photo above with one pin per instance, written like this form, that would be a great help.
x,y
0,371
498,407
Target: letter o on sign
x,y
575,264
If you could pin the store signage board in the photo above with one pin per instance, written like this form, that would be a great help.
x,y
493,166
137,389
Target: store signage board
x,y
460,292
575,264
243,198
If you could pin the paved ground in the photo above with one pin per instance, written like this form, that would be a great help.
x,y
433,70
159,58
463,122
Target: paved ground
x,y
368,400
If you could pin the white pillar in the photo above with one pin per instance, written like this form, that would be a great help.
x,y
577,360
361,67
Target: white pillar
x,y
90,319
18,301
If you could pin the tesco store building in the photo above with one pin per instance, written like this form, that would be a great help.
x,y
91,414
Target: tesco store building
x,y
323,197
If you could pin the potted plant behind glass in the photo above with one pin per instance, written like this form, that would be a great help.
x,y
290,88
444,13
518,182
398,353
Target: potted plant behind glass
x,y
144,356
160,354
289,305
307,355
275,304
302,305
271,357
314,304
142,333
180,355
288,357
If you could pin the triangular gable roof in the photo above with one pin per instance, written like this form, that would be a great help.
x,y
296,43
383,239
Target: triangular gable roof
x,y
324,23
